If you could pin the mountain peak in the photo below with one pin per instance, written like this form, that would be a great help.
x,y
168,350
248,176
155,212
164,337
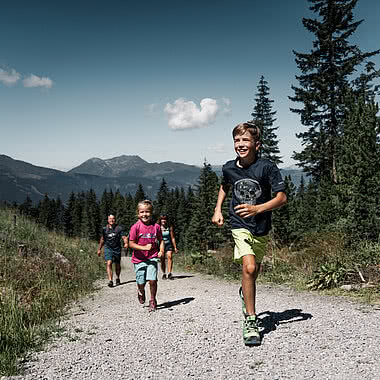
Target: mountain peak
x,y
110,167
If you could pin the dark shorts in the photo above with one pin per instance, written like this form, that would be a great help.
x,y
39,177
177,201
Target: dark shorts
x,y
168,246
110,254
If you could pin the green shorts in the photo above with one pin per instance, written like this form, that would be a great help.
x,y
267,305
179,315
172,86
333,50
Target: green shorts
x,y
146,271
248,244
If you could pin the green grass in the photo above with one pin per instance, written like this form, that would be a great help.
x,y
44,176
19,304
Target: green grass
x,y
319,262
35,287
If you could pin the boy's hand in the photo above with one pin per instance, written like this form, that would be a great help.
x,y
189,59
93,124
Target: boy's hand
x,y
245,210
148,247
160,254
99,252
218,218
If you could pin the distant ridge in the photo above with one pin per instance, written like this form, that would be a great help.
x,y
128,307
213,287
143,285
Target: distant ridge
x,y
19,179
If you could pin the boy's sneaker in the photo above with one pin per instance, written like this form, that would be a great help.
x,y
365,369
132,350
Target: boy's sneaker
x,y
243,308
117,281
170,276
251,335
110,284
141,297
152,305
164,276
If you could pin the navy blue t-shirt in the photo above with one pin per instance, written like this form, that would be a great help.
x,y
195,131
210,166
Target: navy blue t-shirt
x,y
112,237
252,185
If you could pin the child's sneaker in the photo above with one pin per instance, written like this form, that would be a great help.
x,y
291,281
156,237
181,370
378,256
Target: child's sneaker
x,y
110,284
164,276
170,276
251,335
117,281
243,308
141,297
152,305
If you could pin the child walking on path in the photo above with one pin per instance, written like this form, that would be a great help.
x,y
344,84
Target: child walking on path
x,y
145,238
170,246
252,180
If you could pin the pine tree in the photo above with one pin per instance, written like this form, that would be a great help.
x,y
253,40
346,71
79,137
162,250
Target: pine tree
x,y
326,74
283,222
26,208
359,163
68,216
263,113
201,234
161,203
118,208
105,206
90,216
140,194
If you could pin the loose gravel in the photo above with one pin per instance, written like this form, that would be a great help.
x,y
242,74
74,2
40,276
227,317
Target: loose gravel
x,y
196,334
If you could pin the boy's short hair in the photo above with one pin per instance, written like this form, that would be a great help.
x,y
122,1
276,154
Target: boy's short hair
x,y
251,126
145,202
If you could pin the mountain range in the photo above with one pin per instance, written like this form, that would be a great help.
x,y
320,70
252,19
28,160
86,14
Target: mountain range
x,y
19,179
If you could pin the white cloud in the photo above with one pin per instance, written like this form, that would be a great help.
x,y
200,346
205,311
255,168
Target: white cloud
x,y
218,148
36,81
9,78
184,114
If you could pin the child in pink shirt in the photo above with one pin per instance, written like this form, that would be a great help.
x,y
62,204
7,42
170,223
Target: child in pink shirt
x,y
145,238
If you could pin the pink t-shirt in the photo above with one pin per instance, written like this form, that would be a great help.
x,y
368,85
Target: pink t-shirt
x,y
143,234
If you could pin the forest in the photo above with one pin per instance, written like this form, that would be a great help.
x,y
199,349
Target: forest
x,y
336,206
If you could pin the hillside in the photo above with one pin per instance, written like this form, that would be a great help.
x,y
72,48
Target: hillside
x,y
19,179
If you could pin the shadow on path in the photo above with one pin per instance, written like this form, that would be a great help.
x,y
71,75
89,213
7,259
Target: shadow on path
x,y
271,319
181,277
126,282
182,301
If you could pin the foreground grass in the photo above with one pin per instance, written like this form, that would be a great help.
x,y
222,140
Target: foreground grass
x,y
40,273
317,263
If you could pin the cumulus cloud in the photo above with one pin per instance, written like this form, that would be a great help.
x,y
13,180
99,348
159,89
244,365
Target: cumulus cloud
x,y
185,114
36,81
218,148
9,78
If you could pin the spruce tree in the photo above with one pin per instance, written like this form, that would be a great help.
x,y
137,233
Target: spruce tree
x,y
90,216
283,223
326,74
161,202
68,215
263,113
201,234
140,194
359,163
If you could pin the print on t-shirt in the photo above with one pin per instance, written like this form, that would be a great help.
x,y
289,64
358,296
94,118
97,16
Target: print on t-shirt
x,y
247,190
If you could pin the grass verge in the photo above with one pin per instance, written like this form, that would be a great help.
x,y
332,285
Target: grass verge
x,y
319,262
40,273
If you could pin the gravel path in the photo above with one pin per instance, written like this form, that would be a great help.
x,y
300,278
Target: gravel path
x,y
196,334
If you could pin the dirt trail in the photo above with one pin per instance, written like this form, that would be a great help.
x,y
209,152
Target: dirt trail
x,y
196,333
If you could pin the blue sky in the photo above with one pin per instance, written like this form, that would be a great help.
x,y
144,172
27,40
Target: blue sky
x,y
166,80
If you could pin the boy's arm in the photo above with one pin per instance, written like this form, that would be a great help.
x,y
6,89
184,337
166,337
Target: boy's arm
x,y
138,247
218,216
245,210
101,243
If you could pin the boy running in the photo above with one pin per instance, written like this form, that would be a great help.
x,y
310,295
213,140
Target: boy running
x,y
252,180
145,239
